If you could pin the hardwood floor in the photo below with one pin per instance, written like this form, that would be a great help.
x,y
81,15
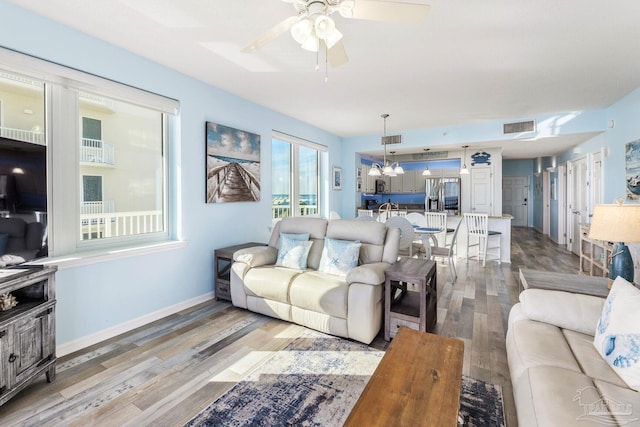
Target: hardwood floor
x,y
165,372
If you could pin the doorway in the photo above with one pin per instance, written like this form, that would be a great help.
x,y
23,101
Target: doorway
x,y
578,206
515,199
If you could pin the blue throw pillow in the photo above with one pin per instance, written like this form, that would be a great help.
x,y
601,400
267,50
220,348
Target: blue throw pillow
x,y
4,239
293,253
339,256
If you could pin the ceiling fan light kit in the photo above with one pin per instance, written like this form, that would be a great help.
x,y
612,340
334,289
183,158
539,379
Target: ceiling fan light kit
x,y
313,25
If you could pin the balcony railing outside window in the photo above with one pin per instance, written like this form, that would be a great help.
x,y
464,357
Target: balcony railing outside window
x,y
22,135
97,151
283,211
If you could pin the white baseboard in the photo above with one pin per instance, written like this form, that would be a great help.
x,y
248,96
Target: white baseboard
x,y
105,334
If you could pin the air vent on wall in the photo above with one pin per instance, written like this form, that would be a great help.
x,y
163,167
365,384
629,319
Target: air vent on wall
x,y
391,139
519,127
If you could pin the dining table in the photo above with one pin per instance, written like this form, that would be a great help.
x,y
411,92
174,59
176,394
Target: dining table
x,y
428,235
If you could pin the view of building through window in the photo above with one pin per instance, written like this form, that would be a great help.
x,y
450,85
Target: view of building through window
x,y
121,166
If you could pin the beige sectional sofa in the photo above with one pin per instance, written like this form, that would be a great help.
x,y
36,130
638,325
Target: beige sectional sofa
x,y
558,376
348,306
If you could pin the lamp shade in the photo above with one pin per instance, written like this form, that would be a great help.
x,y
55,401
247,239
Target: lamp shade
x,y
616,223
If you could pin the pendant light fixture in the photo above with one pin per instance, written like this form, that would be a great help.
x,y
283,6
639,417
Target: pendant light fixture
x,y
386,169
426,171
464,170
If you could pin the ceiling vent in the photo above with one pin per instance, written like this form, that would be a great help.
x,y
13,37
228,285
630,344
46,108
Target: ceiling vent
x,y
519,127
391,139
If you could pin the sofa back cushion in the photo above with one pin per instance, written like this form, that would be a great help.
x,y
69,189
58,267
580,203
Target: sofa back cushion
x,y
375,247
316,227
23,236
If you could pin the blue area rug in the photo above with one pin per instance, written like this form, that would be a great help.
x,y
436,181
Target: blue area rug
x,y
315,381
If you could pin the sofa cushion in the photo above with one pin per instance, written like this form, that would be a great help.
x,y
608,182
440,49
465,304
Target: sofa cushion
x,y
531,343
316,227
270,282
590,361
370,234
627,402
293,252
339,256
320,292
617,336
563,309
552,396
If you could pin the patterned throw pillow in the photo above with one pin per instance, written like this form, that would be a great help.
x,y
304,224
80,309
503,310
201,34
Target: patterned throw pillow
x,y
301,236
293,253
617,336
339,256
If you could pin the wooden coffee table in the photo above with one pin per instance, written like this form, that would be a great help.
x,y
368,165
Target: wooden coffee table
x,y
417,383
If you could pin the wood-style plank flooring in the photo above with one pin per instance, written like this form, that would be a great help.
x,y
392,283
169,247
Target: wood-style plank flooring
x,y
164,373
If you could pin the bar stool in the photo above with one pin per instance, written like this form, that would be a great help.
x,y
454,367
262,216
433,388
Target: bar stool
x,y
478,226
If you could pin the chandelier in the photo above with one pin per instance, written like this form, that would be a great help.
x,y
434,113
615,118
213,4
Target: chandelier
x,y
393,169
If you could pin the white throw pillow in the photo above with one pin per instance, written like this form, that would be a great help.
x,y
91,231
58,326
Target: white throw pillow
x,y
293,253
339,256
617,336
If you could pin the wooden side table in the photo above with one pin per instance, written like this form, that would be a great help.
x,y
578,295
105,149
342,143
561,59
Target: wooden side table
x,y
222,260
415,309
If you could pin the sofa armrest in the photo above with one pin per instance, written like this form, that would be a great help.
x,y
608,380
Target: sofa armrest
x,y
256,256
566,310
368,274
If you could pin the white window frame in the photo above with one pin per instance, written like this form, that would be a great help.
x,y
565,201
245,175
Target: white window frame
x,y
295,144
62,89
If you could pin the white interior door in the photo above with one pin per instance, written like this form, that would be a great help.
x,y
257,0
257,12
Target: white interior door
x,y
562,205
578,203
596,180
515,199
481,190
546,210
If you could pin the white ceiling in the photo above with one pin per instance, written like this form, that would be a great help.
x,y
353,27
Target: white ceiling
x,y
471,61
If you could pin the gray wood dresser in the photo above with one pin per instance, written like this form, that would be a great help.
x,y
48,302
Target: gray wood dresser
x,y
27,331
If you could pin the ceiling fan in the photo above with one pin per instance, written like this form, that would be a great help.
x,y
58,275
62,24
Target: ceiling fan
x,y
313,27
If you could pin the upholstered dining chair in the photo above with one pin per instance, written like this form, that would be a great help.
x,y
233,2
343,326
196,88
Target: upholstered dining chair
x,y
448,252
478,231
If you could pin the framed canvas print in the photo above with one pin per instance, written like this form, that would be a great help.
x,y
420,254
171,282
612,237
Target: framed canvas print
x,y
632,165
233,164
337,178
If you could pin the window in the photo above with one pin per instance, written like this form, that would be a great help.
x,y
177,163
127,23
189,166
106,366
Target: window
x,y
110,143
295,172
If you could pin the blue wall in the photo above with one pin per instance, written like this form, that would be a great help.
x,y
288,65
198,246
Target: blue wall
x,y
94,297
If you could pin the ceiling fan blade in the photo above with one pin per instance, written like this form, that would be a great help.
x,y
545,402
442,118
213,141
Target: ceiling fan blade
x,y
270,34
337,56
387,11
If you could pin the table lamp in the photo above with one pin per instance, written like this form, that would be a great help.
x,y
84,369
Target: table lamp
x,y
617,223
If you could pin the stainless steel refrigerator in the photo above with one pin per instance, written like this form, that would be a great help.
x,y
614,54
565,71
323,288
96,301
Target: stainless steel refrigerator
x,y
443,195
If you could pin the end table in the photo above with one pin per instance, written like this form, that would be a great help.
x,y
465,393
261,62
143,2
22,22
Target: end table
x,y
222,260
403,307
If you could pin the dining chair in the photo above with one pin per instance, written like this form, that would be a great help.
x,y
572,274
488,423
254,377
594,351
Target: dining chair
x,y
368,212
417,219
407,245
438,220
365,218
478,229
448,252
